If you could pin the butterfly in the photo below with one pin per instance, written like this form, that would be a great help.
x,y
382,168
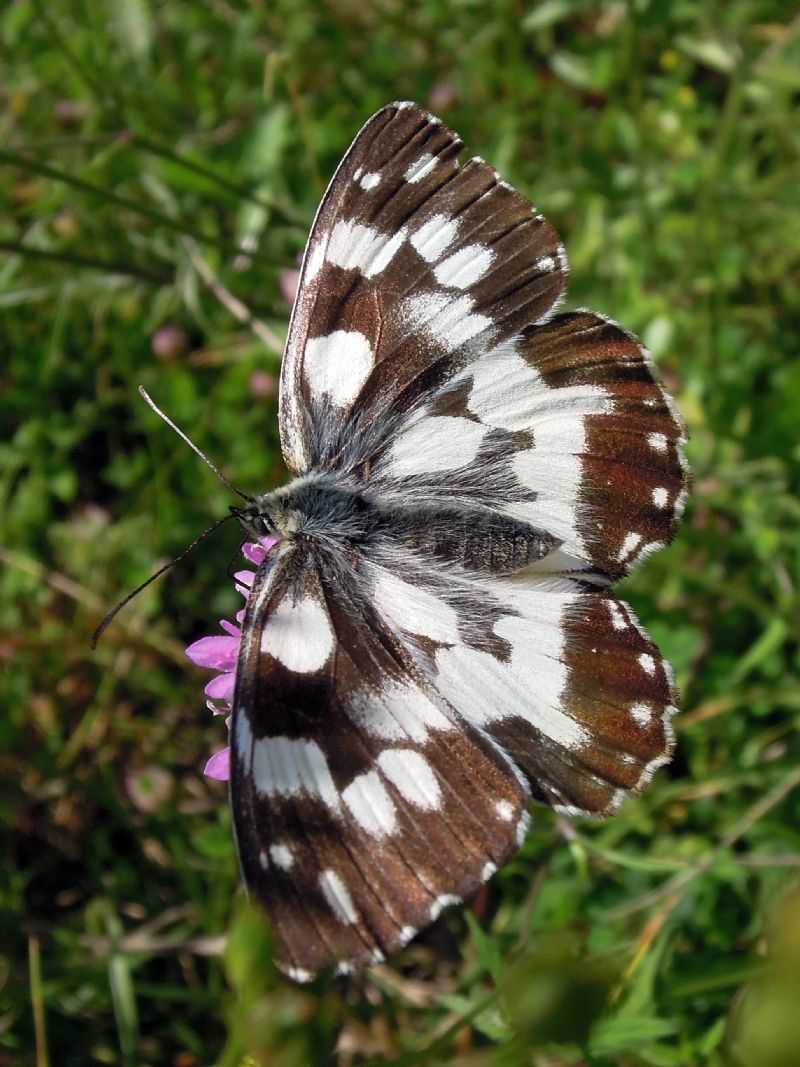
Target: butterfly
x,y
433,641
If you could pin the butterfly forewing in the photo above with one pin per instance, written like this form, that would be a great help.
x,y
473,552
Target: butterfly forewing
x,y
413,263
434,641
363,804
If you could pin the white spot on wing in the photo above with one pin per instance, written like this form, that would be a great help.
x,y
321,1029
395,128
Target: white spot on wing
x,y
337,365
289,768
243,739
370,180
299,635
412,776
435,443
629,546
488,870
505,809
442,902
523,826
398,712
465,267
263,861
486,690
338,897
370,805
282,856
420,168
410,607
648,550
433,237
354,246
647,663
660,497
449,320
641,714
657,441
618,620
314,260
507,393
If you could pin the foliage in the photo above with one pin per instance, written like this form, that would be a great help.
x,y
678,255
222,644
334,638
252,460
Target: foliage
x,y
662,140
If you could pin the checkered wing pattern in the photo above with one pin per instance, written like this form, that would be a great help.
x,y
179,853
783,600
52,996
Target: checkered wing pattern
x,y
435,640
413,263
363,804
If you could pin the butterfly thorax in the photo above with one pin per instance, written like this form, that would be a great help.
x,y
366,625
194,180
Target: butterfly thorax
x,y
315,506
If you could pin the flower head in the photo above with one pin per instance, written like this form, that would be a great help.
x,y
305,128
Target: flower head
x,y
221,652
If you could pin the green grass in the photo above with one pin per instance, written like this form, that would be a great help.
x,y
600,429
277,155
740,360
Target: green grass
x,y
662,140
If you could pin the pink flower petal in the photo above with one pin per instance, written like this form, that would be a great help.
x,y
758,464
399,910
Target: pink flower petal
x,y
258,553
254,553
221,687
219,652
219,766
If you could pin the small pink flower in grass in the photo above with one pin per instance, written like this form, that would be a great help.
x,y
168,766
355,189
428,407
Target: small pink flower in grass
x,y
221,652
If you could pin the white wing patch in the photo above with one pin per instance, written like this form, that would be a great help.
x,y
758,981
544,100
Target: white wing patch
x,y
486,690
449,321
509,394
465,267
370,805
336,894
354,246
412,775
299,635
283,767
337,366
420,168
398,712
409,607
435,443
282,856
370,180
434,236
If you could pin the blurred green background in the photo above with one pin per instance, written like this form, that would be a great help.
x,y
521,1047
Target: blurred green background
x,y
143,145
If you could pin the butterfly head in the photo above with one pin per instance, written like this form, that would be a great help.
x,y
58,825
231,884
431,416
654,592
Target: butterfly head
x,y
254,521
270,515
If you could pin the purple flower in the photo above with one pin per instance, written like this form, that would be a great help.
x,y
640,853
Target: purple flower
x,y
221,652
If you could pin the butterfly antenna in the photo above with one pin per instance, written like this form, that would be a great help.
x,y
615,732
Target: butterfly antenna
x,y
197,451
115,611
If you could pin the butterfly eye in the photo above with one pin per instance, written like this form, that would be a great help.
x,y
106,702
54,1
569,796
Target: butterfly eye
x,y
254,521
260,524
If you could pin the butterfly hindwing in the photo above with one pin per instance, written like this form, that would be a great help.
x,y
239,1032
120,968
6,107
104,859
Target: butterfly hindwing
x,y
563,428
556,672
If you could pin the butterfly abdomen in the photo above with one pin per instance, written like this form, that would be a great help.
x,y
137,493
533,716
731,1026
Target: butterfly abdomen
x,y
477,539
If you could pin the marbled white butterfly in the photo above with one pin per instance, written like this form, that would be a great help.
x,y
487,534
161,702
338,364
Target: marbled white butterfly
x,y
433,641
